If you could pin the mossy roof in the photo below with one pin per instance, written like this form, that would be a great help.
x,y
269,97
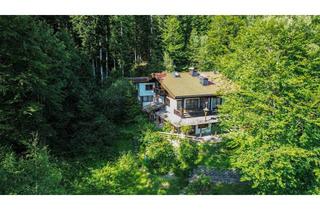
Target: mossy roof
x,y
189,86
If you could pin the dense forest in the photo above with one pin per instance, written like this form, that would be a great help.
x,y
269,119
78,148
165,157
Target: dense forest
x,y
70,122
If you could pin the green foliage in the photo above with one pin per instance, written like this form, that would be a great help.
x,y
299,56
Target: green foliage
x,y
163,154
124,177
39,86
274,117
51,84
174,42
47,89
186,129
167,127
120,98
33,173
214,155
187,155
168,62
158,154
279,170
206,49
202,185
126,42
198,51
87,29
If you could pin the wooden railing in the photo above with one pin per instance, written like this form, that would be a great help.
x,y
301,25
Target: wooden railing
x,y
178,112
193,113
212,138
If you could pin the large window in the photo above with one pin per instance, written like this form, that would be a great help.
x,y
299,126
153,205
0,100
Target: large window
x,y
216,101
149,87
192,104
203,102
147,98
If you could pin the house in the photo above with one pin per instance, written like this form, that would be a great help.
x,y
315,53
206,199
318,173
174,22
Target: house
x,y
183,99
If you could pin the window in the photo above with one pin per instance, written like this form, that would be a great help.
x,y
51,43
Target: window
x,y
216,101
192,103
203,125
149,87
179,104
167,101
147,98
203,102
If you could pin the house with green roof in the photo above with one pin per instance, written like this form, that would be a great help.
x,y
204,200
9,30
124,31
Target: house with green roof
x,y
187,99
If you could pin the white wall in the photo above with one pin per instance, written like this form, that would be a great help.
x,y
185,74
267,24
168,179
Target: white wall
x,y
173,105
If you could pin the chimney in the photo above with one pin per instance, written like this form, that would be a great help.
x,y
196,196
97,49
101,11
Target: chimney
x,y
193,72
204,80
176,74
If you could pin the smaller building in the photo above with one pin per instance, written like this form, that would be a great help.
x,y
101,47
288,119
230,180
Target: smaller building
x,y
145,87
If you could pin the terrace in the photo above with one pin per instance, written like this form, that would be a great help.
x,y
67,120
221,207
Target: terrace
x,y
179,121
193,113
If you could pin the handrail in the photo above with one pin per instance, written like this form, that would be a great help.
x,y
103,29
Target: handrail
x,y
193,138
184,113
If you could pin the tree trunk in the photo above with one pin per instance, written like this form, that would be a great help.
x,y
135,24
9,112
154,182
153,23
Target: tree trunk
x,y
121,51
107,68
93,69
101,66
108,38
151,24
151,36
96,68
121,30
120,66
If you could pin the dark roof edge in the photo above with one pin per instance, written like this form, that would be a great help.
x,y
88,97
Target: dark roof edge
x,y
140,79
196,96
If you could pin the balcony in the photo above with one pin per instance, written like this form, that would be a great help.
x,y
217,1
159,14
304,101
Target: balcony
x,y
193,113
179,121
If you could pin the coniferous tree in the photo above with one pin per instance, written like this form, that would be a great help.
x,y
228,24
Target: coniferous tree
x,y
174,41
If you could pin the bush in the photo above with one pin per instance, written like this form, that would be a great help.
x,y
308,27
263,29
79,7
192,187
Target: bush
x,y
187,155
160,157
32,174
186,129
126,176
167,127
202,185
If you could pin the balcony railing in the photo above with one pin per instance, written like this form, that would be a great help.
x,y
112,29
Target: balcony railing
x,y
193,113
178,112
